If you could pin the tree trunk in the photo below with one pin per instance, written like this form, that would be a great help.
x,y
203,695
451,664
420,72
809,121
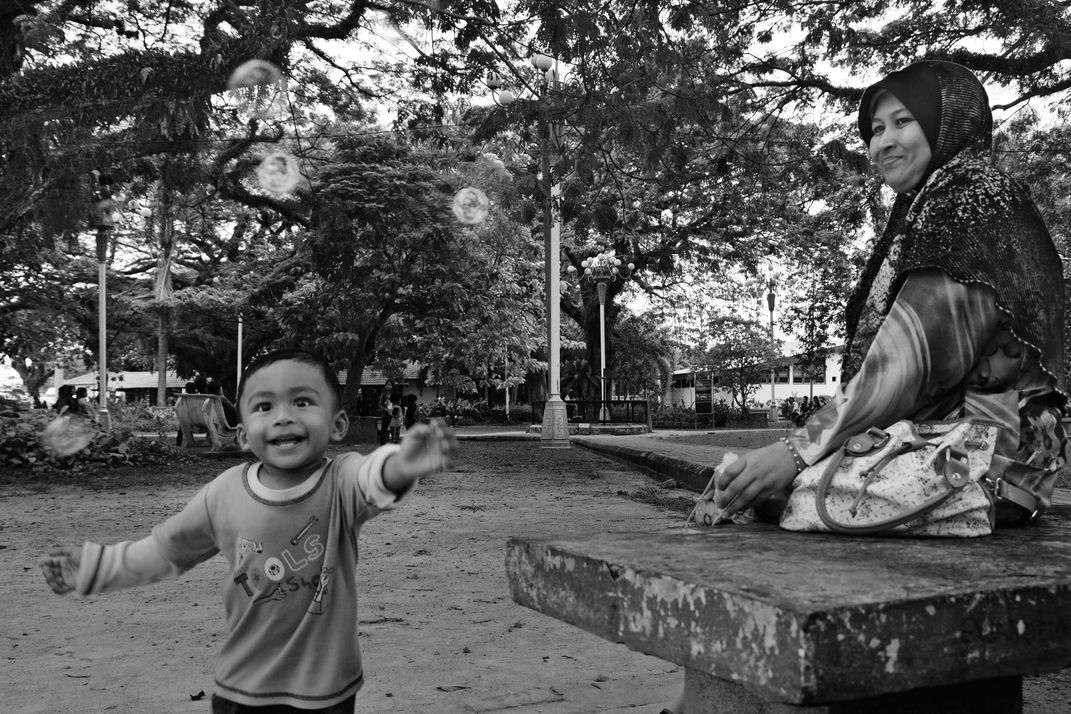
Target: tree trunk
x,y
351,401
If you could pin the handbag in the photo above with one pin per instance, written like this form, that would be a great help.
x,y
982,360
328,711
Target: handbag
x,y
911,478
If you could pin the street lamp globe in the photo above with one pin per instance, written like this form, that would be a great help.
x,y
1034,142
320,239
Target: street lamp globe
x,y
542,62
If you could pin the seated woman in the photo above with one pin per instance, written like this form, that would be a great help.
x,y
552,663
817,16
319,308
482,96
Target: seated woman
x,y
959,311
229,411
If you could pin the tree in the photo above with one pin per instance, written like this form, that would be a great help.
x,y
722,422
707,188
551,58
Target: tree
x,y
644,348
739,349
1036,154
387,269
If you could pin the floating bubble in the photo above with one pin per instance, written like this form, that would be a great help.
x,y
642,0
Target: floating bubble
x,y
254,73
66,435
259,88
278,173
471,205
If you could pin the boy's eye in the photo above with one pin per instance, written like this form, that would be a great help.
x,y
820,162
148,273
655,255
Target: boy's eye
x,y
303,402
262,406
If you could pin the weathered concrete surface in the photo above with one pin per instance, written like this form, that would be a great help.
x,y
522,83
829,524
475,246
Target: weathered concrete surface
x,y
691,473
815,618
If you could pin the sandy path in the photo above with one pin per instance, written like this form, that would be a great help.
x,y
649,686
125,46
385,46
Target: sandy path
x,y
439,631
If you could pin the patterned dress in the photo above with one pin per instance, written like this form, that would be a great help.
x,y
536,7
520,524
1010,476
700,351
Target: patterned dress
x,y
960,309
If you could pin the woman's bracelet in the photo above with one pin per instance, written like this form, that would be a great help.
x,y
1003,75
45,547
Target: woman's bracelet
x,y
800,463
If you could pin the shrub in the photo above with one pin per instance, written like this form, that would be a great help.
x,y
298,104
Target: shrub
x,y
721,411
140,417
673,416
21,445
518,414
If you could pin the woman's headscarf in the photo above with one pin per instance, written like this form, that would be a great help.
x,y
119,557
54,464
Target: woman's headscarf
x,y
971,220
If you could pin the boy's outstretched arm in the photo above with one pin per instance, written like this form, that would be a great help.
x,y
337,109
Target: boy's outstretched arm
x,y
425,450
94,568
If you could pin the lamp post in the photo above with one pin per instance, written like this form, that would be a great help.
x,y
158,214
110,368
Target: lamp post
x,y
103,221
555,432
770,303
602,269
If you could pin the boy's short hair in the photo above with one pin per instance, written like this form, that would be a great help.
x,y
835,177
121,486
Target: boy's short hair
x,y
296,355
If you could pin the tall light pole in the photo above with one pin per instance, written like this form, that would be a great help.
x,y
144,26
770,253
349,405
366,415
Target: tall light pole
x,y
602,269
770,302
103,221
555,431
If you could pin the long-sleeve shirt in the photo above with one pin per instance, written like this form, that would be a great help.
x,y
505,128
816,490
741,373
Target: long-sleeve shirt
x,y
290,590
943,351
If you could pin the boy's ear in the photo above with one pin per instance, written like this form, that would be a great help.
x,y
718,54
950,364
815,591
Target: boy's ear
x,y
340,425
241,438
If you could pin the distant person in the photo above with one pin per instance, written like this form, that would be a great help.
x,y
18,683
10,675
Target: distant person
x,y
229,411
190,388
288,526
397,419
66,402
81,398
409,403
386,404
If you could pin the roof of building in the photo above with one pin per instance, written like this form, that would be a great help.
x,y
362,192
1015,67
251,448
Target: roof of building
x,y
127,380
374,377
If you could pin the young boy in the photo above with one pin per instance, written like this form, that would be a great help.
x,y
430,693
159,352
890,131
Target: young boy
x,y
288,527
396,424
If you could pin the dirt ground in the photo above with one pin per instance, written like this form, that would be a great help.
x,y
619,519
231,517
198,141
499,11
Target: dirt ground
x,y
439,632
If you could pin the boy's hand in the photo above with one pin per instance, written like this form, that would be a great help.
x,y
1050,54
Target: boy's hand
x,y
60,567
425,450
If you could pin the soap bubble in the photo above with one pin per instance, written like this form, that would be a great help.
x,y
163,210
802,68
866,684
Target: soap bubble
x,y
66,435
471,205
259,87
278,173
254,73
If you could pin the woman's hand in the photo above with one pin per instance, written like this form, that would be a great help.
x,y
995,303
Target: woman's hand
x,y
755,477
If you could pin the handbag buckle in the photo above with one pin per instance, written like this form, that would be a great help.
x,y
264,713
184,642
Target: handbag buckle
x,y
954,465
1001,489
870,440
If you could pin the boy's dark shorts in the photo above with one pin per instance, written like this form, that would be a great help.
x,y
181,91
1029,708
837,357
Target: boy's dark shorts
x,y
225,706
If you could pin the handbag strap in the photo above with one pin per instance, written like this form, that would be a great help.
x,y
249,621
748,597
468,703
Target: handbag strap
x,y
880,526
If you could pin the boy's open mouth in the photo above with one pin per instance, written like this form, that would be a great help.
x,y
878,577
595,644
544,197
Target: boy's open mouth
x,y
290,440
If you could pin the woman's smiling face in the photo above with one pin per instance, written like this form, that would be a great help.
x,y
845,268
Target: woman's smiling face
x,y
289,415
898,148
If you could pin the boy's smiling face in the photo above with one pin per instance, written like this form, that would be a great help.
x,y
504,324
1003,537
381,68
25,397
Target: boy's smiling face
x,y
289,415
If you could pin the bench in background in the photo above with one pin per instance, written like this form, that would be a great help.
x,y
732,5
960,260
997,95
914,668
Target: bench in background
x,y
764,620
203,414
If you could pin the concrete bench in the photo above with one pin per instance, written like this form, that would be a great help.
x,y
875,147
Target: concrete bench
x,y
203,414
763,620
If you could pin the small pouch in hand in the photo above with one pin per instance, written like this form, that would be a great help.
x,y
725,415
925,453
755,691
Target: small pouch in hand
x,y
706,513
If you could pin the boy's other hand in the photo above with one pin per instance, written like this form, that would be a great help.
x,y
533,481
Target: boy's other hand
x,y
60,567
426,449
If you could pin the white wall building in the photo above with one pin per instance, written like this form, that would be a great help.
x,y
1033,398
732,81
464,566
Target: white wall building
x,y
789,380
